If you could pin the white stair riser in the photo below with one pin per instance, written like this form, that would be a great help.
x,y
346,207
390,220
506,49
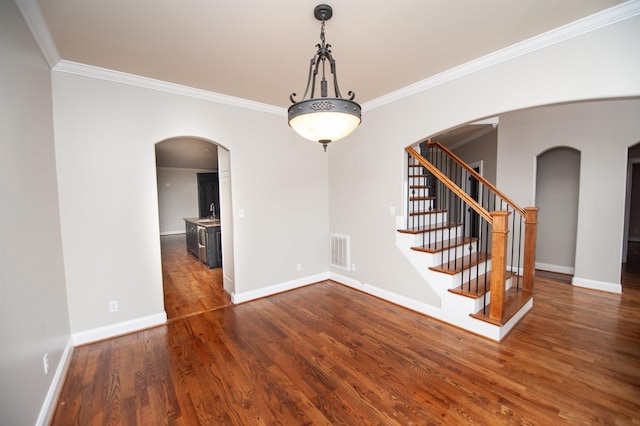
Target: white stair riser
x,y
418,181
422,220
453,253
473,272
478,303
437,235
421,205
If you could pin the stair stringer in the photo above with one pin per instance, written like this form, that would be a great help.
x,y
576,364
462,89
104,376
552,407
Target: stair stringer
x,y
454,309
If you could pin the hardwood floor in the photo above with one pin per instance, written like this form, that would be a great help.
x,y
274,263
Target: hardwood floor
x,y
554,276
189,286
328,354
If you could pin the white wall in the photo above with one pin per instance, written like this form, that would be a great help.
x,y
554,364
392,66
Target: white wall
x,y
33,302
226,220
484,149
366,169
602,132
105,135
109,229
177,198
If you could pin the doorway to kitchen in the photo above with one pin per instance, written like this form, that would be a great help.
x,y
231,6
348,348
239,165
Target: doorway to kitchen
x,y
194,209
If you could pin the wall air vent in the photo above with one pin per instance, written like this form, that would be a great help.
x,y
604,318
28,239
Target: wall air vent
x,y
339,251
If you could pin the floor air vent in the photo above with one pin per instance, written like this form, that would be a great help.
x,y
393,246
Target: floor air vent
x,y
339,251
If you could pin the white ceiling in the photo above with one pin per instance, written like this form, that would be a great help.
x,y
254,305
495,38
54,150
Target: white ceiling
x,y
260,49
187,153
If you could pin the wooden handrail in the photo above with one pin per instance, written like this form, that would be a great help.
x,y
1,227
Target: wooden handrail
x,y
499,221
479,177
451,185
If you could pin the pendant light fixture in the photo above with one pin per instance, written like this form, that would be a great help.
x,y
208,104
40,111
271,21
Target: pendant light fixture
x,y
323,119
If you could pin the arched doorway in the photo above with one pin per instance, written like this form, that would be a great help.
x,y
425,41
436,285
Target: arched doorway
x,y
188,171
557,193
631,244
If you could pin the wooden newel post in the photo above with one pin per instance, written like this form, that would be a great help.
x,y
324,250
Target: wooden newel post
x,y
499,235
530,229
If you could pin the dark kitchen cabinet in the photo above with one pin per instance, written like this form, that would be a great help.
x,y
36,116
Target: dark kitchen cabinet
x,y
208,193
192,238
204,241
214,247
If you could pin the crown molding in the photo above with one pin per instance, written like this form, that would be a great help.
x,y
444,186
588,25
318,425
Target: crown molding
x,y
163,86
582,26
32,15
35,21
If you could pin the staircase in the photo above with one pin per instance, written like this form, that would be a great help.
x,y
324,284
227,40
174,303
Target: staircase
x,y
471,244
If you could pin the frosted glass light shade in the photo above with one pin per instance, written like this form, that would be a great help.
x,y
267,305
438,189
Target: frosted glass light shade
x,y
325,119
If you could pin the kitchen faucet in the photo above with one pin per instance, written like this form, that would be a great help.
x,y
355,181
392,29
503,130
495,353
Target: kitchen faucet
x,y
212,208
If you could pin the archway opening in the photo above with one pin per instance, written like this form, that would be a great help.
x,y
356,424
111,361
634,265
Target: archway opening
x,y
192,204
557,193
631,244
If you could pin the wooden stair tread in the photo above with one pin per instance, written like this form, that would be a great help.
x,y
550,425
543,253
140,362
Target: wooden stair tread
x,y
434,227
476,289
514,300
439,246
426,212
455,266
419,187
421,198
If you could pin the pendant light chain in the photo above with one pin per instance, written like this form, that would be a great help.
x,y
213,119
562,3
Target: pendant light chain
x,y
323,83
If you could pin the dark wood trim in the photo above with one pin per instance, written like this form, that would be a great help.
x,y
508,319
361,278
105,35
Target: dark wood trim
x,y
499,234
530,227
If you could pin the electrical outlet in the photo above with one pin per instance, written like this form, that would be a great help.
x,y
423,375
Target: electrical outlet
x,y
392,211
113,306
299,267
353,267
45,363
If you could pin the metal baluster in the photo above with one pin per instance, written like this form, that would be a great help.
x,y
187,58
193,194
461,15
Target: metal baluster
x,y
408,189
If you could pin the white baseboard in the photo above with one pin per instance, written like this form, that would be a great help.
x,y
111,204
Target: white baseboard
x,y
464,322
118,329
395,298
277,288
555,268
162,234
597,285
503,331
48,406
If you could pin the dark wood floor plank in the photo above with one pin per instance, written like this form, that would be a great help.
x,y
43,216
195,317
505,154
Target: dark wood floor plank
x,y
328,354
189,286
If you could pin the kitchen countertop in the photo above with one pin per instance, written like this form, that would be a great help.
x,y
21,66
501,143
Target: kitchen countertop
x,y
203,221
